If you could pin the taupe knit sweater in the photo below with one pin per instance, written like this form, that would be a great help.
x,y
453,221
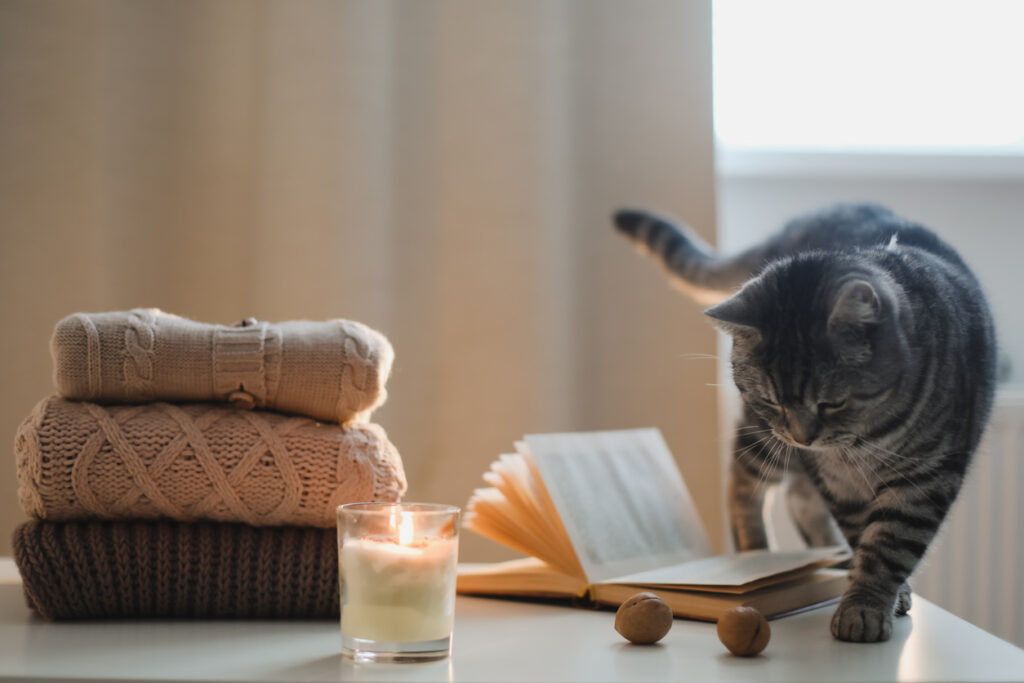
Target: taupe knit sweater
x,y
333,370
87,570
197,462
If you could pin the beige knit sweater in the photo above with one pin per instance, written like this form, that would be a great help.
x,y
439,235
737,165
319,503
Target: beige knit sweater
x,y
196,462
334,370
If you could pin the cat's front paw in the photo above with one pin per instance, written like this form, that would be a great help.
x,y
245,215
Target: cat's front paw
x,y
860,622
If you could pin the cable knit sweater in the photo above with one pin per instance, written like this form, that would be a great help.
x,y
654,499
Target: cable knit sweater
x,y
333,370
197,462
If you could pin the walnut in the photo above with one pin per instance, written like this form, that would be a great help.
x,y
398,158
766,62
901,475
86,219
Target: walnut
x,y
643,619
744,631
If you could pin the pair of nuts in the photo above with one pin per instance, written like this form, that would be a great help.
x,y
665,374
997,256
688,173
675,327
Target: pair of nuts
x,y
645,618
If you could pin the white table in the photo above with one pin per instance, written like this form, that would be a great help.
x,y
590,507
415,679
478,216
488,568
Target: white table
x,y
494,641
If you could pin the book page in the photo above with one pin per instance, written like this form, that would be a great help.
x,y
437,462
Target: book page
x,y
740,571
517,512
621,499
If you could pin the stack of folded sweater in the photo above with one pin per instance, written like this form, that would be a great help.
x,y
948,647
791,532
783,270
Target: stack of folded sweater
x,y
194,470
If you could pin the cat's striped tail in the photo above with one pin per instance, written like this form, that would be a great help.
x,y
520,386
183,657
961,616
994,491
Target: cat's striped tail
x,y
692,265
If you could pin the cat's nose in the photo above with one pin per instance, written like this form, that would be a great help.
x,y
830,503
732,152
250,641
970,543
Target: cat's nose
x,y
802,424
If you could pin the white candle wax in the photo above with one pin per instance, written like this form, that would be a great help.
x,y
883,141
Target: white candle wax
x,y
398,593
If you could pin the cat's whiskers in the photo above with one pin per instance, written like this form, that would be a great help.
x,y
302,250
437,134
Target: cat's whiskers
x,y
772,464
748,451
785,465
897,457
853,462
753,429
699,356
885,463
759,441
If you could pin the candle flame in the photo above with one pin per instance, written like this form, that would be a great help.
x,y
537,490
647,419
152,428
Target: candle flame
x,y
405,529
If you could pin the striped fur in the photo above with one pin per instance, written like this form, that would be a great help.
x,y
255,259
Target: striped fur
x,y
864,351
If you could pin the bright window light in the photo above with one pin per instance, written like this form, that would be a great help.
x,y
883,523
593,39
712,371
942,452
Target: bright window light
x,y
869,74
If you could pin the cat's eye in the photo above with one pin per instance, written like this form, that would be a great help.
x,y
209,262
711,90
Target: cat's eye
x,y
825,408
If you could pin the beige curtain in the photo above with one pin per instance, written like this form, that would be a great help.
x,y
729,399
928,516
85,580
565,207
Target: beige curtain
x,y
442,171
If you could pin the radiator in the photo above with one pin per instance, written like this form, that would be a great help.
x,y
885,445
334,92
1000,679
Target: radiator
x,y
974,566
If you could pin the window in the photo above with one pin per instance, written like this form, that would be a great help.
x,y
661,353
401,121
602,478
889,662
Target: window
x,y
871,75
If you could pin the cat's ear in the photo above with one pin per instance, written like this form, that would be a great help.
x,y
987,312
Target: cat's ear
x,y
857,306
735,316
856,311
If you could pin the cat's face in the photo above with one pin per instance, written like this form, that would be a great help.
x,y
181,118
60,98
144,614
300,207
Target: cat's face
x,y
827,406
815,351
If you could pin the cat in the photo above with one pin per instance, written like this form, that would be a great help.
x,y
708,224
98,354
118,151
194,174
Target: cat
x,y
865,355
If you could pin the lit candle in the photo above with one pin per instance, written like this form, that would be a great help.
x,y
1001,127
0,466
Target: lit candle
x,y
398,577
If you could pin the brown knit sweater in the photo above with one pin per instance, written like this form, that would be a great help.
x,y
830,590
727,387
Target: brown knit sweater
x,y
87,570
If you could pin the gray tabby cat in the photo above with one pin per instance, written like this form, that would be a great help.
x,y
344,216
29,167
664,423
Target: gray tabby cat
x,y
865,355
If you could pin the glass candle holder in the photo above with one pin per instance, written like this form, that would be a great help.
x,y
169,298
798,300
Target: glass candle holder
x,y
396,565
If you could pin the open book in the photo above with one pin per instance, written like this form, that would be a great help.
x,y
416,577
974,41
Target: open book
x,y
603,515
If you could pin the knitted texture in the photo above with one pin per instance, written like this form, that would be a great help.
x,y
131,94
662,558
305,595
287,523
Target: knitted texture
x,y
86,570
333,370
197,462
